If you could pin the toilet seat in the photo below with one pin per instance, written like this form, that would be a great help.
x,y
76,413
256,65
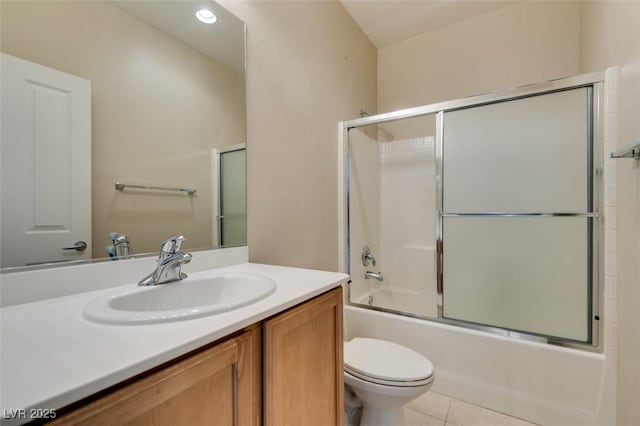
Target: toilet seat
x,y
386,363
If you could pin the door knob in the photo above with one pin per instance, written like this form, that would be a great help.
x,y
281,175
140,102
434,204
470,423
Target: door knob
x,y
77,246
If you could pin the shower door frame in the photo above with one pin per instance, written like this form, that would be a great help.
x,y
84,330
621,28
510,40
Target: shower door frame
x,y
595,81
217,204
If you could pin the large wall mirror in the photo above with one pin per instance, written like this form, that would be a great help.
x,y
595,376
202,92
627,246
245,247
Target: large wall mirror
x,y
137,93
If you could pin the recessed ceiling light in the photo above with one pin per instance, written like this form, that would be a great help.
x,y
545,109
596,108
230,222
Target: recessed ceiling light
x,y
206,16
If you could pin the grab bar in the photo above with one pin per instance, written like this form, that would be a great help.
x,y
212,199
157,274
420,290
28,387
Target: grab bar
x,y
121,186
629,152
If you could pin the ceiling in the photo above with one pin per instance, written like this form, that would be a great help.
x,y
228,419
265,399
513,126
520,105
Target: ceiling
x,y
387,22
223,40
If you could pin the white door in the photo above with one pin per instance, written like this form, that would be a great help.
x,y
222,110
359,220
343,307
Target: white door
x,y
46,164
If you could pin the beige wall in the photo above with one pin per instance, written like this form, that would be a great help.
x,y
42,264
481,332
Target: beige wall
x,y
158,108
308,67
610,36
526,43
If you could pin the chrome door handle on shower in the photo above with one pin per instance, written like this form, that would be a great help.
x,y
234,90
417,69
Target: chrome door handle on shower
x,y
77,246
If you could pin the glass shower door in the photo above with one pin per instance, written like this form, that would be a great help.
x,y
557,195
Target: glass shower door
x,y
518,214
393,216
232,202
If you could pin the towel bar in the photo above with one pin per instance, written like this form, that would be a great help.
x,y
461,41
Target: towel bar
x,y
121,186
629,152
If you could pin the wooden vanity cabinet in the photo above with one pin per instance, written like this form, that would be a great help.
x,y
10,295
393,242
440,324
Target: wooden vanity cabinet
x,y
220,385
286,370
303,369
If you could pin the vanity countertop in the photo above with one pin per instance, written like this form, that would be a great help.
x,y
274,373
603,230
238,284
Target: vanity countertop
x,y
52,356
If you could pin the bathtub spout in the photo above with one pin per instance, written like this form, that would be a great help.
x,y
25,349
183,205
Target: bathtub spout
x,y
373,276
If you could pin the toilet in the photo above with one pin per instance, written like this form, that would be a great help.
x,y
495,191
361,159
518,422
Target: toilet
x,y
384,376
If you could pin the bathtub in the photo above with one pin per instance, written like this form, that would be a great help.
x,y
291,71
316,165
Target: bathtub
x,y
538,382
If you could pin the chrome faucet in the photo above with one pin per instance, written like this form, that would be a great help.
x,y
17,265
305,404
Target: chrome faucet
x,y
170,263
121,244
373,276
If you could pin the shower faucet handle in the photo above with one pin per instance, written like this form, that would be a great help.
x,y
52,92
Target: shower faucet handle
x,y
367,257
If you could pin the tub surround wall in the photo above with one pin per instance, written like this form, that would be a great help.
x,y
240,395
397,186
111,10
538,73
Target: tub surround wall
x,y
308,66
392,210
408,222
609,37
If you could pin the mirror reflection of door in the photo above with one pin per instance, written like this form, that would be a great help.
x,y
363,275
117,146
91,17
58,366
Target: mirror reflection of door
x,y
160,82
232,219
46,165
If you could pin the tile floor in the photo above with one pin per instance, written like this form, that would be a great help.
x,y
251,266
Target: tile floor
x,y
434,409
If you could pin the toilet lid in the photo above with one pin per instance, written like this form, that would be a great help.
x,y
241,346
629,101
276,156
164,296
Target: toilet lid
x,y
385,362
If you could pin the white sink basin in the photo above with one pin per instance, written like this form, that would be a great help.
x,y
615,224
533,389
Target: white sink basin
x,y
193,297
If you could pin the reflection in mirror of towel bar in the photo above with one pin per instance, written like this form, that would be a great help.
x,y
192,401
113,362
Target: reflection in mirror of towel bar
x,y
629,152
47,262
121,186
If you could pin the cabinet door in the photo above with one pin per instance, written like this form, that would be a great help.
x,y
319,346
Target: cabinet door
x,y
218,386
303,376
